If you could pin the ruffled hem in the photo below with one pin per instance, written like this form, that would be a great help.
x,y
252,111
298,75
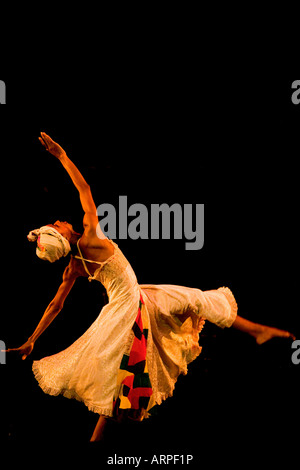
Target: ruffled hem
x,y
71,394
160,397
194,353
233,304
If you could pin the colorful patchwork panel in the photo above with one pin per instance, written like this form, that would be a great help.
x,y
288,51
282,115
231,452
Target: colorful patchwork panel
x,y
133,377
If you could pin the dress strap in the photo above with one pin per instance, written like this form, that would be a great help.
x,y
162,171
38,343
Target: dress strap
x,y
86,260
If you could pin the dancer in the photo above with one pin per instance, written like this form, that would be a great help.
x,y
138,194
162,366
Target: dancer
x,y
144,338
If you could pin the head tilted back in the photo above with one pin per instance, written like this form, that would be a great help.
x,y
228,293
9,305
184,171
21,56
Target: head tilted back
x,y
51,245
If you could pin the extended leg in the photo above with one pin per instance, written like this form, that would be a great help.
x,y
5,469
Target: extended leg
x,y
98,433
261,333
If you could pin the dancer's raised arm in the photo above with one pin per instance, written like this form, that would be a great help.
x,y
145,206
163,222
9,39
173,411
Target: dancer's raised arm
x,y
84,189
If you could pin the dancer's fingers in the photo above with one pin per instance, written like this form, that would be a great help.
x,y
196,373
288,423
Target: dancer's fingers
x,y
46,138
42,142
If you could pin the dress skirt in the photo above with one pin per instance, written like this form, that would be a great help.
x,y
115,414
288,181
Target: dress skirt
x,y
130,358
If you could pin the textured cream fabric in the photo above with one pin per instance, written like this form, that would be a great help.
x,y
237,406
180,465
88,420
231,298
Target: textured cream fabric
x,y
87,370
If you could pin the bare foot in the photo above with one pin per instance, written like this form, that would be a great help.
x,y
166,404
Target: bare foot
x,y
266,333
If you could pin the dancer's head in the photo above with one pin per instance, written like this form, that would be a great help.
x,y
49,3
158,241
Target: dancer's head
x,y
64,228
53,240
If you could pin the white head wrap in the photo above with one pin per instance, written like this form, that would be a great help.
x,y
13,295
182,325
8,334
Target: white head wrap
x,y
51,245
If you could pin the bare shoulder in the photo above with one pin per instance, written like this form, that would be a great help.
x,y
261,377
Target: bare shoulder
x,y
95,248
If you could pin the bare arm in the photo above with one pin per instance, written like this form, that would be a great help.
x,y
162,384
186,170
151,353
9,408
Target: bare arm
x,y
51,312
83,188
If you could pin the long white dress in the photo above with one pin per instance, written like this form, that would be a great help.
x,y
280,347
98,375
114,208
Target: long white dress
x,y
162,322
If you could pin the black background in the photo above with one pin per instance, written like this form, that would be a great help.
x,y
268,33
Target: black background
x,y
228,140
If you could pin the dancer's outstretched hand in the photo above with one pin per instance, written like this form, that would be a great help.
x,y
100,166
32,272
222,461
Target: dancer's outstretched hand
x,y
51,146
24,350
